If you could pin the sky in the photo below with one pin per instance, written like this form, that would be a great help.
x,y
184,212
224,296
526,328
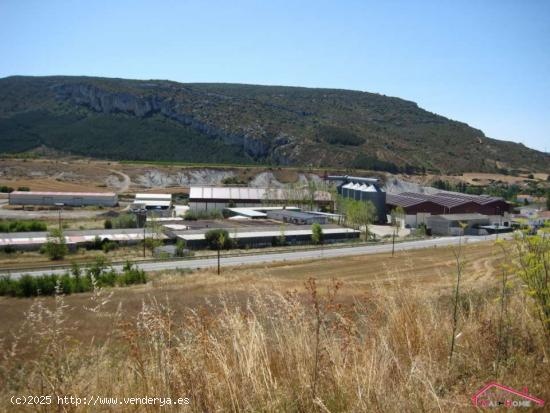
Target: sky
x,y
486,63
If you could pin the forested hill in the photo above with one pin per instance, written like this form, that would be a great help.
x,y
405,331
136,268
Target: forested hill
x,y
230,123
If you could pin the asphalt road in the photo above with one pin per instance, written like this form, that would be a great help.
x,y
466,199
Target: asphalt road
x,y
286,256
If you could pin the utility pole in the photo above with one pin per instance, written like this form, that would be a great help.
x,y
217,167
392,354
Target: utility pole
x,y
221,243
59,206
393,243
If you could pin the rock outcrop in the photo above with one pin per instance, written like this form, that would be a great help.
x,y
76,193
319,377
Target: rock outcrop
x,y
253,142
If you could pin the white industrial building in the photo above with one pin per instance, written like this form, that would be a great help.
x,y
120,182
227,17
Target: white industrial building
x,y
154,202
206,198
75,199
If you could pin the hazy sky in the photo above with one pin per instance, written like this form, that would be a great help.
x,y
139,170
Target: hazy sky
x,y
485,62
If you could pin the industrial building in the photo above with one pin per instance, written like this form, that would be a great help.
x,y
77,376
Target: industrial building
x,y
75,238
418,207
73,199
297,217
153,202
363,189
207,198
452,224
264,238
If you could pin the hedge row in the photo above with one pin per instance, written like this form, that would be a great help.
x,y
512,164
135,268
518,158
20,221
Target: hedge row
x,y
74,281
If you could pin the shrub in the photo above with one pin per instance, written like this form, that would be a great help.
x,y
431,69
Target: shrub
x,y
124,221
180,248
22,226
195,215
72,281
109,246
9,249
23,188
339,136
317,234
108,224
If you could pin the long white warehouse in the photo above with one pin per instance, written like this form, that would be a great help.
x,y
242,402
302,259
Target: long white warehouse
x,y
107,199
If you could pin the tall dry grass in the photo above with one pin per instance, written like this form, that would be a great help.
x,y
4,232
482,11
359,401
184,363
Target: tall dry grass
x,y
388,351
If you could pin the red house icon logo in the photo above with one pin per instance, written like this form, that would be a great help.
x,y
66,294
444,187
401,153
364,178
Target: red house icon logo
x,y
496,395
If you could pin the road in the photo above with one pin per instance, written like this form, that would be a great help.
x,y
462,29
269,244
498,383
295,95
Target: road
x,y
285,256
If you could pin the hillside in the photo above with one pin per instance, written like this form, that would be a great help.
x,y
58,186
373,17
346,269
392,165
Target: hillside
x,y
229,123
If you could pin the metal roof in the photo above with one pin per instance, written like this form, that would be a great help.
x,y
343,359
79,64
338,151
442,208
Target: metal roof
x,y
265,234
478,199
76,194
403,200
154,197
248,212
151,202
452,199
446,201
236,193
348,178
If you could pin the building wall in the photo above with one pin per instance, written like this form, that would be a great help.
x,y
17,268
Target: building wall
x,y
441,226
69,200
426,207
258,242
203,205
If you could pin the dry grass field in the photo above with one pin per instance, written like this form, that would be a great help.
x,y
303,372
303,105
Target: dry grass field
x,y
356,334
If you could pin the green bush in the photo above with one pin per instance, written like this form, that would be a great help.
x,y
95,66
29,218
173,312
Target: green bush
x,y
109,246
317,235
73,281
124,221
339,136
108,224
196,215
22,226
6,189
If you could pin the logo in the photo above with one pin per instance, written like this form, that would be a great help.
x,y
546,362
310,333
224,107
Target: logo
x,y
497,395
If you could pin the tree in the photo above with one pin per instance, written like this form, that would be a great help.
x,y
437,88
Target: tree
x,y
180,247
212,238
55,247
359,214
397,215
311,190
155,240
548,200
282,236
317,234
533,268
218,239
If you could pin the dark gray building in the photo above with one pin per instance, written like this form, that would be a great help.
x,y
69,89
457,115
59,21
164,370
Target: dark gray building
x,y
363,189
75,199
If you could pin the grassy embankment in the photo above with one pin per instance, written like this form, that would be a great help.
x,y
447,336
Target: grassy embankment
x,y
370,333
